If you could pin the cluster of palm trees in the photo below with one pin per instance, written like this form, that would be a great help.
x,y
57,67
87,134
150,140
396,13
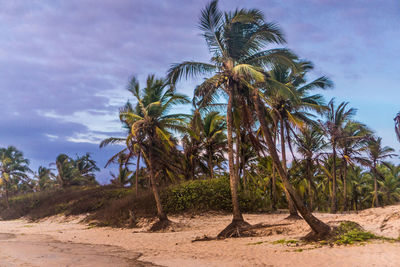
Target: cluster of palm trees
x,y
16,177
256,118
253,107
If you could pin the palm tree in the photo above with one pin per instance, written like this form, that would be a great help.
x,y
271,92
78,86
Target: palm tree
x,y
336,118
375,155
75,172
13,168
310,144
397,125
390,186
214,139
87,168
235,40
290,108
46,178
351,141
150,129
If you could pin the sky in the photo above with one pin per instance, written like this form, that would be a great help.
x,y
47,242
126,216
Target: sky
x,y
65,64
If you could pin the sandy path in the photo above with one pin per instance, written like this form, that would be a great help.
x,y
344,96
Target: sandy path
x,y
177,248
41,250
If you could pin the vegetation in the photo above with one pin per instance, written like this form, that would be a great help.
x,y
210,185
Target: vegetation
x,y
255,109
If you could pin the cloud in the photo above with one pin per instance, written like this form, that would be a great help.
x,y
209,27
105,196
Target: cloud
x,y
65,64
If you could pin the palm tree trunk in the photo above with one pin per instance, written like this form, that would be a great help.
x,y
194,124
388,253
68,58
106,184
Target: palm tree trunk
x,y
210,164
237,166
310,193
273,187
318,227
345,186
292,209
375,187
160,212
6,190
274,198
333,196
137,175
237,215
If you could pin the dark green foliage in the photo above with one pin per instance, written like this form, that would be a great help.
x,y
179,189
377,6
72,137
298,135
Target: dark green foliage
x,y
204,195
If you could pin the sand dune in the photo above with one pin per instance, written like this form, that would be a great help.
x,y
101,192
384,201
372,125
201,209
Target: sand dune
x,y
75,240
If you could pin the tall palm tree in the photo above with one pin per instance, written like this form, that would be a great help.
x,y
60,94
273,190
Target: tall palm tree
x,y
290,108
235,39
310,144
150,128
376,154
352,139
13,167
335,120
214,139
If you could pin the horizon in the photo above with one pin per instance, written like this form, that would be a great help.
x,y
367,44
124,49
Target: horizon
x,y
66,65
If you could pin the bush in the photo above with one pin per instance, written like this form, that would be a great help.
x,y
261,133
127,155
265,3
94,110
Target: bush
x,y
204,195
112,206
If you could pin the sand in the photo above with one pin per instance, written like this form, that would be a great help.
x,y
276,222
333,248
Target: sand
x,y
75,244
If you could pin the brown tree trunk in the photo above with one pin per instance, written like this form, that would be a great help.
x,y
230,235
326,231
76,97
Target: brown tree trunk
x,y
318,227
345,204
160,212
137,175
375,187
210,164
237,215
292,209
274,197
237,165
273,187
333,193
6,190
310,193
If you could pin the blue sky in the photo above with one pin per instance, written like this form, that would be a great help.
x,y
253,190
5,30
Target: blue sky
x,y
64,65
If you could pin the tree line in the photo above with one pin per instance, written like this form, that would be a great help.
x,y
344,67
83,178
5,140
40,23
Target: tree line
x,y
257,118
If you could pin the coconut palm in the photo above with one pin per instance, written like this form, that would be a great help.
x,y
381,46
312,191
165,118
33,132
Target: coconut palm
x,y
291,108
397,125
310,144
214,139
376,154
13,168
335,120
76,172
352,139
46,178
235,39
87,168
150,128
390,186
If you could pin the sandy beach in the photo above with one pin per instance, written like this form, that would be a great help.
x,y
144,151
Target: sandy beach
x,y
60,241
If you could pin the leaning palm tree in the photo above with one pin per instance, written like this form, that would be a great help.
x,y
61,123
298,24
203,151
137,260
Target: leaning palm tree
x,y
235,40
13,168
291,108
150,130
336,118
376,154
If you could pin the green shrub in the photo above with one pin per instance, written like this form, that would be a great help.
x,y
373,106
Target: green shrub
x,y
214,194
